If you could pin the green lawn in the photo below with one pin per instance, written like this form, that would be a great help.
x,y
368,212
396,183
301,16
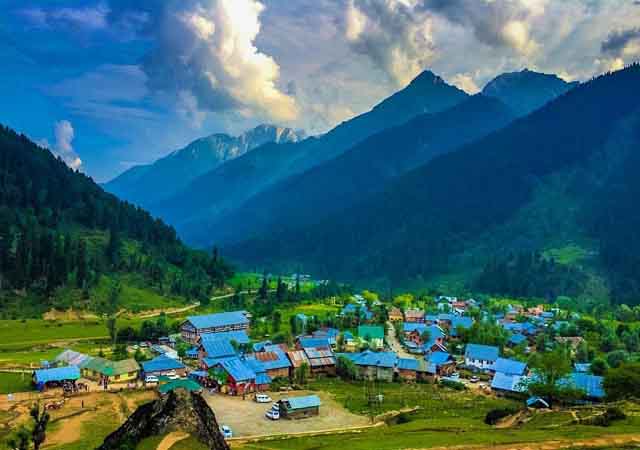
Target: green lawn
x,y
15,382
189,444
445,418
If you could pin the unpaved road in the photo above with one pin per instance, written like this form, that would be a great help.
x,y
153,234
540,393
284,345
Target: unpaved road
x,y
171,439
395,344
246,417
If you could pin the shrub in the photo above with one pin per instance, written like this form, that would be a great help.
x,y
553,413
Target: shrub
x,y
495,415
453,385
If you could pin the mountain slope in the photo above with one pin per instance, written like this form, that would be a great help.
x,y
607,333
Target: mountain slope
x,y
431,216
526,91
361,171
58,229
366,168
148,184
220,190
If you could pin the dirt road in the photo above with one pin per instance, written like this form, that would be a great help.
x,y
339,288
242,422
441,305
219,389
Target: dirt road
x,y
395,344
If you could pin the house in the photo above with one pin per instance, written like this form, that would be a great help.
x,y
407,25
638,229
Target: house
x,y
411,369
395,315
445,319
57,377
441,363
509,385
263,381
235,376
582,367
164,350
431,319
509,367
517,339
321,360
212,348
162,365
194,326
573,341
590,384
415,332
353,309
414,316
459,323
375,365
331,334
297,358
240,337
312,342
373,334
299,407
71,358
106,372
274,360
481,357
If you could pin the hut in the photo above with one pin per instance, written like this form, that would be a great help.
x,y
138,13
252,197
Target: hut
x,y
299,407
58,377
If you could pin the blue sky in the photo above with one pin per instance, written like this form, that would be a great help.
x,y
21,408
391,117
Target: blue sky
x,y
112,83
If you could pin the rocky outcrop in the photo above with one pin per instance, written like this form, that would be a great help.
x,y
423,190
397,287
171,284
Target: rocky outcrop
x,y
178,411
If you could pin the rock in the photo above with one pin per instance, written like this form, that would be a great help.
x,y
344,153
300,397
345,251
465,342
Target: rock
x,y
177,411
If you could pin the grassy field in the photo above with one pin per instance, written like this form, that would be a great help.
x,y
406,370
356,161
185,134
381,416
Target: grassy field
x,y
15,382
444,418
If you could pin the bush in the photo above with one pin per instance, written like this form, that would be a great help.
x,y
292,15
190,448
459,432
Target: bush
x,y
495,415
453,385
611,414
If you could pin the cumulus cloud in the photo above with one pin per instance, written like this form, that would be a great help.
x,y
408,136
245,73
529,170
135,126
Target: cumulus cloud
x,y
465,82
205,54
619,48
398,35
64,134
394,34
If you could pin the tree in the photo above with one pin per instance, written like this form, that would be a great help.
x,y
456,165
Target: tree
x,y
425,336
599,366
20,441
623,382
346,368
550,369
301,374
276,320
40,421
264,288
616,358
113,246
112,328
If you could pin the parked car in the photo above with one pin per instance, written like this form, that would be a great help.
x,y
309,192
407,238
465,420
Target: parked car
x,y
173,377
474,379
455,376
226,431
151,379
276,406
272,414
262,398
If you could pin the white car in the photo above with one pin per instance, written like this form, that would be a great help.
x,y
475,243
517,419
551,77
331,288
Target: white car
x,y
151,379
173,377
272,414
226,431
263,398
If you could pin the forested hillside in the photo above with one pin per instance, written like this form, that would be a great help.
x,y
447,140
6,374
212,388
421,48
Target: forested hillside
x,y
434,217
361,171
219,192
59,229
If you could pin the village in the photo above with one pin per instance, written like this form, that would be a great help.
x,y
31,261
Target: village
x,y
258,387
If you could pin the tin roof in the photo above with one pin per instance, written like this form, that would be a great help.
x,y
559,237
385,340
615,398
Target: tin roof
x,y
161,363
57,374
219,319
309,401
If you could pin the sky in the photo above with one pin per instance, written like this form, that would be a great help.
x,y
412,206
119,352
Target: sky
x,y
108,84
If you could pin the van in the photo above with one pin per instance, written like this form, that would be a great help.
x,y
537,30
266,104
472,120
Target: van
x,y
262,398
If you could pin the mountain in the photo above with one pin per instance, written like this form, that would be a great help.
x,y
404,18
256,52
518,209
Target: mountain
x,y
221,190
357,173
559,176
526,91
148,184
366,168
61,234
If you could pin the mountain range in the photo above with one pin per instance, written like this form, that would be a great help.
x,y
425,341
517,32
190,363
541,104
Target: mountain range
x,y
560,176
148,184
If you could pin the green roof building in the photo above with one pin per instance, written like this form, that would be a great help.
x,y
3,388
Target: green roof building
x,y
373,334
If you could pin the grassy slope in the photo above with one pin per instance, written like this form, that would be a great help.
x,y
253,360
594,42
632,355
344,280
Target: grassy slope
x,y
459,422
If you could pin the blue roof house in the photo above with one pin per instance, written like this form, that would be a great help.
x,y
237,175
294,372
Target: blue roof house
x,y
509,367
509,384
194,326
44,378
161,365
481,357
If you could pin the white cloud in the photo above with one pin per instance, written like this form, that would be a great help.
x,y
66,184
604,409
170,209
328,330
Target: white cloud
x,y
64,134
465,82
206,53
88,18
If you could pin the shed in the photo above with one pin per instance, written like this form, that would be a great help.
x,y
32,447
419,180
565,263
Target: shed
x,y
161,365
188,385
44,378
300,407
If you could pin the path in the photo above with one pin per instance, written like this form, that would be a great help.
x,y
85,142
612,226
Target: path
x,y
171,439
168,311
395,344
